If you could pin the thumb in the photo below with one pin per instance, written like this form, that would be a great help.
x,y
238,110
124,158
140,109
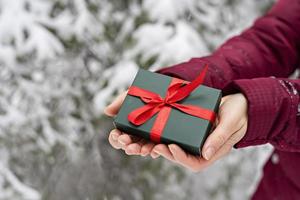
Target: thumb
x,y
113,108
223,131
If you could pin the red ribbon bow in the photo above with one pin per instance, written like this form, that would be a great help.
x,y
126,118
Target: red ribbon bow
x,y
156,104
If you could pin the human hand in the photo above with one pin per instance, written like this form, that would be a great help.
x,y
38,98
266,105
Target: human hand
x,y
132,145
231,126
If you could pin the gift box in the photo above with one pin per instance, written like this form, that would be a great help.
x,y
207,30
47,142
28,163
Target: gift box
x,y
169,110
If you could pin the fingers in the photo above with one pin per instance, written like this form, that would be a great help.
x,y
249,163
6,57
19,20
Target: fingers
x,y
135,148
163,150
237,136
216,140
147,148
228,124
126,139
132,145
113,138
120,140
186,160
196,163
113,108
225,149
224,132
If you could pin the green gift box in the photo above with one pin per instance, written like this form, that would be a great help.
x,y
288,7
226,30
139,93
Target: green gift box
x,y
181,128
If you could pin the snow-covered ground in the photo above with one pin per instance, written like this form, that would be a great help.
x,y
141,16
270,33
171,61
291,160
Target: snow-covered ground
x,y
62,61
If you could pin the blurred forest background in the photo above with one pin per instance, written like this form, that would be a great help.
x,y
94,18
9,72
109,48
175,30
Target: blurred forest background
x,y
62,61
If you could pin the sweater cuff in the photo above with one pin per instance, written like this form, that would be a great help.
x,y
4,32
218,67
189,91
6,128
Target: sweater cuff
x,y
265,99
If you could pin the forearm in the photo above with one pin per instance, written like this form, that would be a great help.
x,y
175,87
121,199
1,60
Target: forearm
x,y
271,47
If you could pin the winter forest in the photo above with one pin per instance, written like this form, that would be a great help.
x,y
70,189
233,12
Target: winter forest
x,y
62,61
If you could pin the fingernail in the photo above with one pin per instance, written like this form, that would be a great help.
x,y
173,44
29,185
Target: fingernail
x,y
121,142
114,136
208,153
155,155
143,153
171,147
128,152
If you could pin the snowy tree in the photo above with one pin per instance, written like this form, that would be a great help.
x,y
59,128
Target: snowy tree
x,y
62,61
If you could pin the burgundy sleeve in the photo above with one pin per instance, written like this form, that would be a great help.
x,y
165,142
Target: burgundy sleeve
x,y
273,111
271,47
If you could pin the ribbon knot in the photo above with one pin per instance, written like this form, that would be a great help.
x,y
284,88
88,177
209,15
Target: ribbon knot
x,y
166,101
154,103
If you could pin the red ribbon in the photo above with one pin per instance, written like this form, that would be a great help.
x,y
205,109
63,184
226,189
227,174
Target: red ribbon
x,y
156,104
